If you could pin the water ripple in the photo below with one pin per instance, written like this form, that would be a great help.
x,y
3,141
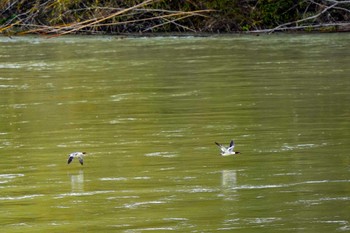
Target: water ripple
x,y
161,229
5,178
124,178
82,194
161,154
10,176
288,185
113,178
344,224
144,203
21,197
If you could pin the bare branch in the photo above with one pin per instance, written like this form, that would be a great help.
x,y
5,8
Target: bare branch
x,y
108,17
335,3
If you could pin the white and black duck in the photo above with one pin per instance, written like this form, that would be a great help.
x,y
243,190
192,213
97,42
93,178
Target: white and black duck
x,y
79,155
225,151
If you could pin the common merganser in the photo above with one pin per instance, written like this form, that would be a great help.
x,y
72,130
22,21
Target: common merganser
x,y
225,151
76,154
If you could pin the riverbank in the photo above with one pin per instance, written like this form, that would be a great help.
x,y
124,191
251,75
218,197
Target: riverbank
x,y
62,17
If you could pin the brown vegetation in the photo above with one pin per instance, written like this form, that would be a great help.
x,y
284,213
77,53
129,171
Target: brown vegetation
x,y
59,17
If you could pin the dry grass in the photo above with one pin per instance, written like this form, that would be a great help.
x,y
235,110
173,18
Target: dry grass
x,y
60,17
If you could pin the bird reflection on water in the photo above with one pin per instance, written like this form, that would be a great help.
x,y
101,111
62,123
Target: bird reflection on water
x,y
77,181
229,178
229,184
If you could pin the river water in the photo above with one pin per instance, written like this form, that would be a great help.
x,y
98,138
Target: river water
x,y
148,110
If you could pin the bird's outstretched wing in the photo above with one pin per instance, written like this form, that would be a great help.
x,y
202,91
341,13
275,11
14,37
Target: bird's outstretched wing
x,y
232,145
70,159
81,160
222,148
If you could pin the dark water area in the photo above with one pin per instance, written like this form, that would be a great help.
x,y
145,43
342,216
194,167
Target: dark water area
x,y
148,110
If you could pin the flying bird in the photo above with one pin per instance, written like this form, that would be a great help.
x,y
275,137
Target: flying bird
x,y
76,154
225,151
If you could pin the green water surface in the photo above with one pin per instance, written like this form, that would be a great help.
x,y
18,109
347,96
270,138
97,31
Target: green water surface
x,y
148,110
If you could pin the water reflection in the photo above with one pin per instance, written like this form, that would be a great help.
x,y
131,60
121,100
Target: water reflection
x,y
77,182
229,184
152,122
229,179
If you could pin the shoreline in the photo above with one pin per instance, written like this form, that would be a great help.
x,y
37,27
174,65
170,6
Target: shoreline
x,y
177,34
